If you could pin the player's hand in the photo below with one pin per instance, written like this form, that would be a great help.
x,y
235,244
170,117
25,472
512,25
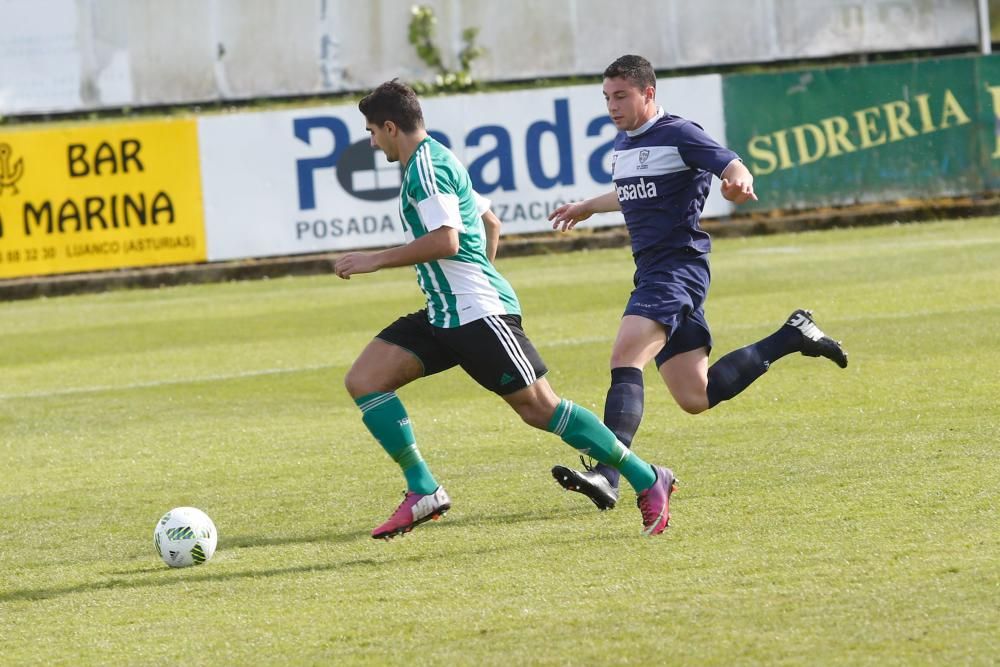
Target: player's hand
x,y
738,190
567,216
355,262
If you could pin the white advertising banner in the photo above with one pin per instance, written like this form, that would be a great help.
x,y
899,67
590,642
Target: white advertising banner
x,y
307,180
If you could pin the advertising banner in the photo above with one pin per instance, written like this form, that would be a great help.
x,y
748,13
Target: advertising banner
x,y
843,135
988,82
99,196
308,180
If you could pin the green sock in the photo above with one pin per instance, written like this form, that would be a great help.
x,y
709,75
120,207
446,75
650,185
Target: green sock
x,y
386,418
584,432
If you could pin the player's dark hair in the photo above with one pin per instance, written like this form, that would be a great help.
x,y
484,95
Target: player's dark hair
x,y
634,68
395,101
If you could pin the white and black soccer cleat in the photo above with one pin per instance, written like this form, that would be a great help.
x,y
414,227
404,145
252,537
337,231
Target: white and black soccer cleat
x,y
590,483
815,343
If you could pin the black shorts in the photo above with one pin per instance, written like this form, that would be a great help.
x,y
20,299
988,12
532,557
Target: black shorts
x,y
494,350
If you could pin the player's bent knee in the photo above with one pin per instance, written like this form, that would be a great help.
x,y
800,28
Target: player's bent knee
x,y
360,382
693,405
355,384
535,404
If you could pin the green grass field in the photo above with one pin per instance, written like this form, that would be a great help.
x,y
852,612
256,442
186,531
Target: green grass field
x,y
824,517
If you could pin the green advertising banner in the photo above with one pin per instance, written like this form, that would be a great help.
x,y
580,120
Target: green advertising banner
x,y
988,76
994,7
839,136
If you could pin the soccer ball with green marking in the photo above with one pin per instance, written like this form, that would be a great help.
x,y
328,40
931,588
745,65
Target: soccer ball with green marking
x,y
185,536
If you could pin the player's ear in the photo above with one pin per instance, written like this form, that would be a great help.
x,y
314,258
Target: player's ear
x,y
390,128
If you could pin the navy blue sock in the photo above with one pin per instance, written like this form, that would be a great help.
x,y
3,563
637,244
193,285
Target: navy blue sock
x,y
622,411
737,370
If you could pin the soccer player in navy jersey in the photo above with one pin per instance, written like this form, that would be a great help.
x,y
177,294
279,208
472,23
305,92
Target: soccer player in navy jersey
x,y
662,168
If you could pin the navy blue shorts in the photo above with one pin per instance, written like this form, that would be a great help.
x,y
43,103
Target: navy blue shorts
x,y
670,288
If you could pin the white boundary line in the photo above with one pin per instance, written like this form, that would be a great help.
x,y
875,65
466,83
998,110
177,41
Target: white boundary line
x,y
166,383
318,367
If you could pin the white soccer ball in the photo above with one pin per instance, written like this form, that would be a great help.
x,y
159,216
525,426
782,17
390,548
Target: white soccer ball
x,y
185,536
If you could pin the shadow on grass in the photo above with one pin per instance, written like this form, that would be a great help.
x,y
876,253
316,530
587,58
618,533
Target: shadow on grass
x,y
156,576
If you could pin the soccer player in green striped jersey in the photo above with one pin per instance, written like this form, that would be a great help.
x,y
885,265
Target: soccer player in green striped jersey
x,y
471,319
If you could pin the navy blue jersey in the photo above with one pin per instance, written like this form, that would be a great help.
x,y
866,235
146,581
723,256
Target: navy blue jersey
x,y
663,173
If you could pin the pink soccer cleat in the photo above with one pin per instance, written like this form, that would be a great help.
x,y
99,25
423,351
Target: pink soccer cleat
x,y
413,511
654,502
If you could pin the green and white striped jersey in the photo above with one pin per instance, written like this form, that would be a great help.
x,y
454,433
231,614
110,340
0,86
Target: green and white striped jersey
x,y
437,192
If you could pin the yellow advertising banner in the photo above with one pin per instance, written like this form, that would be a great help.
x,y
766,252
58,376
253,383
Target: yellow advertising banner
x,y
100,196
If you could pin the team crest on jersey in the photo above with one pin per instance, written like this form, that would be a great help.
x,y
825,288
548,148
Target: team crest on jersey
x,y
614,159
643,156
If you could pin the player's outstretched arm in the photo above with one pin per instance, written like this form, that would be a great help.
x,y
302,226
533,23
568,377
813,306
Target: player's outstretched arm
x,y
567,216
492,224
737,183
439,244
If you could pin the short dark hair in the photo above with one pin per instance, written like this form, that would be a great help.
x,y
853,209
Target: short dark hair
x,y
395,101
634,68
